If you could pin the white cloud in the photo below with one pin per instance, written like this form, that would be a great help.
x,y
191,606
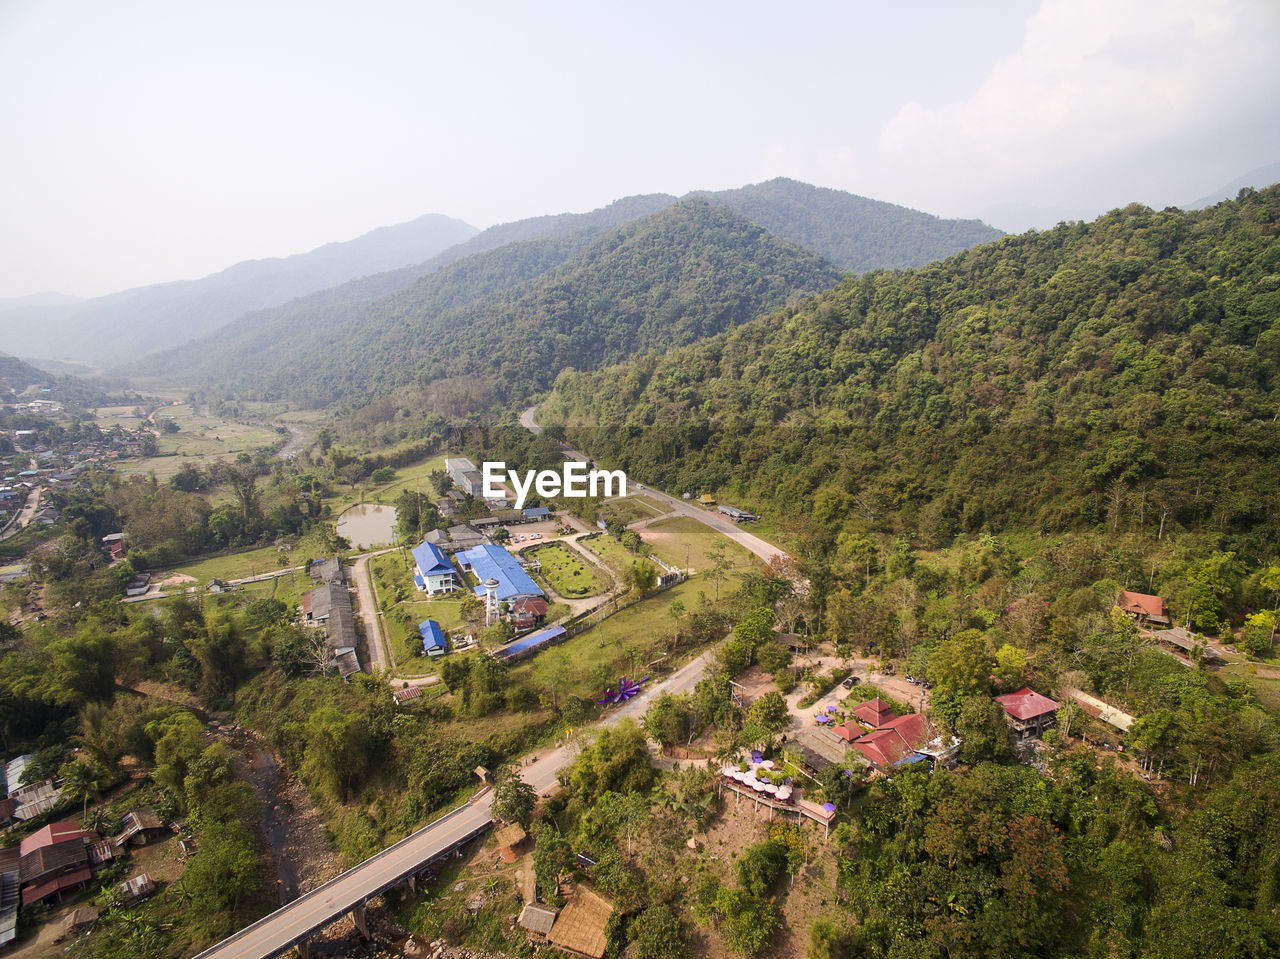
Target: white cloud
x,y
1094,81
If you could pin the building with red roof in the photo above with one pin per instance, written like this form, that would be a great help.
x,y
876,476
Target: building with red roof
x,y
56,832
874,713
895,741
1143,607
1027,711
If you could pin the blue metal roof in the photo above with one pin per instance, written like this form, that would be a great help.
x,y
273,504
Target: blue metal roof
x,y
494,562
529,642
537,512
431,559
432,635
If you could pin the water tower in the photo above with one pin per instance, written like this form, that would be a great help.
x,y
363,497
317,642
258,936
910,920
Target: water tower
x,y
490,601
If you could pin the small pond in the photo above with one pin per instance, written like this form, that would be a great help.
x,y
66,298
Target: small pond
x,y
368,525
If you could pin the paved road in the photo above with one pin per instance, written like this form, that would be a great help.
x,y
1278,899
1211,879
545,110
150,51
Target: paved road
x,y
380,658
24,515
717,521
291,923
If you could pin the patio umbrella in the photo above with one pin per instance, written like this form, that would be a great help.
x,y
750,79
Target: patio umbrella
x,y
739,775
831,709
770,788
784,792
829,806
766,764
822,719
728,770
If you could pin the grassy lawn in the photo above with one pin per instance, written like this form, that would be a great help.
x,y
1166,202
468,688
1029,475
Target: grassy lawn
x,y
1267,688
569,574
415,477
669,539
404,606
252,562
614,554
200,439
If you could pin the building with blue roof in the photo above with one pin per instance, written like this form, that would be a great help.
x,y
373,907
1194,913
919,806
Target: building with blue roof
x,y
494,562
433,639
432,570
533,514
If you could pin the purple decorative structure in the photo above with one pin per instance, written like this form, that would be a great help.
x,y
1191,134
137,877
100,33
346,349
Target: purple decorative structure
x,y
626,689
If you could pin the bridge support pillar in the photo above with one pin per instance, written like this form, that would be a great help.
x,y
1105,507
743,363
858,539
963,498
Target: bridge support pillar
x,y
411,882
362,923
304,949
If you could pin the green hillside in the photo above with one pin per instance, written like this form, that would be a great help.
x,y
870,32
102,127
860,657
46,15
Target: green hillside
x,y
517,315
1118,373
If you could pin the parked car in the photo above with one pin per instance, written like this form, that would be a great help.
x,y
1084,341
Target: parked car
x,y
851,682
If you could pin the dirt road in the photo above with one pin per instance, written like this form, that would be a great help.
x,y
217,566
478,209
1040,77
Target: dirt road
x,y
380,658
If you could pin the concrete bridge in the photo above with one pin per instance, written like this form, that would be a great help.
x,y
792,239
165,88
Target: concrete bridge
x,y
293,924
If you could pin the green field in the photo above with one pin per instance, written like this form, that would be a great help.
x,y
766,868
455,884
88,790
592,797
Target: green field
x,y
200,439
659,509
252,562
672,540
568,573
621,644
611,552
414,477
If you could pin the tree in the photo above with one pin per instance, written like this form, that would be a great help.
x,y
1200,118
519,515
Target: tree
x,y
983,731
769,712
640,577
513,799
1259,632
631,541
762,867
960,665
227,869
668,720
657,934
720,565
618,761
337,751
825,941
82,780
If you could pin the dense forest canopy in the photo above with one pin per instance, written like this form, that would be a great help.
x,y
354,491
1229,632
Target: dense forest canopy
x,y
1120,373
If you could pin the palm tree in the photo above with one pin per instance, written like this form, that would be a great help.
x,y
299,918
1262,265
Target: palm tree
x,y
82,779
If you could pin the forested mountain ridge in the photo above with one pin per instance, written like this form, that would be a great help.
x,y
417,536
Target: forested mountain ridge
x,y
517,315
1120,372
854,232
504,255
118,327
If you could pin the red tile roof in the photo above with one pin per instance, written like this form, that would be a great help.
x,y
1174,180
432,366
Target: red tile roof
x,y
1026,703
1142,604
874,712
895,740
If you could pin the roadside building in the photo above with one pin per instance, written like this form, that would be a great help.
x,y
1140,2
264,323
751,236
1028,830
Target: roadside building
x,y
527,613
735,514
1028,713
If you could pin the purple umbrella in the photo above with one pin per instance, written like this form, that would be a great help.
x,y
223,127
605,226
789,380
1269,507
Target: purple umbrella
x,y
831,709
822,719
829,806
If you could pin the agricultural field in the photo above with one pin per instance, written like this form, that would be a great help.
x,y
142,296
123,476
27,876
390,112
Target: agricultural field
x,y
414,477
200,439
568,573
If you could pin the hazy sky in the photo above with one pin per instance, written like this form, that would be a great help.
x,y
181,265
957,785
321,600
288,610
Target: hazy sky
x,y
149,141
